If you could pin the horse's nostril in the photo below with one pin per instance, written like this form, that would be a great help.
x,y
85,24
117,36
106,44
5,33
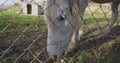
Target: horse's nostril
x,y
63,53
58,57
54,56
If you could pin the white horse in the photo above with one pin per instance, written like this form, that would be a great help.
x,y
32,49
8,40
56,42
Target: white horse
x,y
64,20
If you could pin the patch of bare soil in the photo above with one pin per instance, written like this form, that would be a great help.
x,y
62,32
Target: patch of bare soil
x,y
23,44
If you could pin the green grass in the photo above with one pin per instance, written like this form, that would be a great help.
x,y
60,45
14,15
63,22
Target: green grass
x,y
102,54
18,22
12,25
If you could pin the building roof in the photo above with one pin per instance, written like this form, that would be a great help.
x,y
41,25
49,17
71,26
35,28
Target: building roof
x,y
38,2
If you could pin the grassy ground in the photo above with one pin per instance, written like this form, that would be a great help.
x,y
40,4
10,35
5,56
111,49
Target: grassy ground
x,y
20,30
95,49
90,49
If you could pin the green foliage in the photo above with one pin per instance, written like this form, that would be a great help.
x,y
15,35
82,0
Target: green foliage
x,y
18,22
8,60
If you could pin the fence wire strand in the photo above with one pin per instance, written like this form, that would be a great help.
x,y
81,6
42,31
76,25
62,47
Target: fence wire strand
x,y
23,28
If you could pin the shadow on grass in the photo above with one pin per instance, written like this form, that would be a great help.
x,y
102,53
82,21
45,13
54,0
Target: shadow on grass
x,y
93,42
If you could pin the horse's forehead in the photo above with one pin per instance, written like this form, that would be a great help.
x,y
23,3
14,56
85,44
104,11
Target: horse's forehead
x,y
61,1
58,7
62,4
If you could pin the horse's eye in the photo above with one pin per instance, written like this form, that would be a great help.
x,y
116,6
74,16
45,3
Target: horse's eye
x,y
62,17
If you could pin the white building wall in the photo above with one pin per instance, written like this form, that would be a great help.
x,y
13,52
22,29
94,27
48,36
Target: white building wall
x,y
34,10
24,7
33,0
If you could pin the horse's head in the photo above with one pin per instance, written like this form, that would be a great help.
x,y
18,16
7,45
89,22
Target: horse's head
x,y
60,27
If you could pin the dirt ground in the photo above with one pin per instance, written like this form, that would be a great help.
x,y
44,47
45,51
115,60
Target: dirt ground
x,y
39,46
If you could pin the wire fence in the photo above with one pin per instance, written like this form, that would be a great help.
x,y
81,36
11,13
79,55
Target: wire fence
x,y
23,33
